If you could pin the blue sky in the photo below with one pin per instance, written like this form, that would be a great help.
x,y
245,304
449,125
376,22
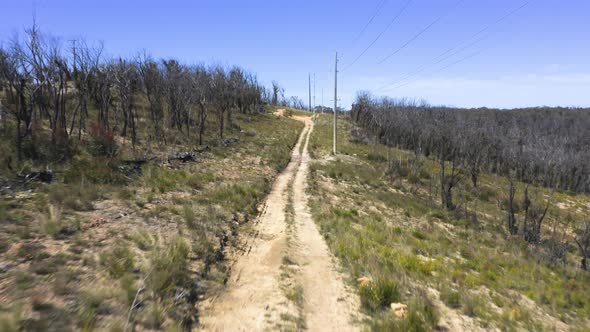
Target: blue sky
x,y
538,56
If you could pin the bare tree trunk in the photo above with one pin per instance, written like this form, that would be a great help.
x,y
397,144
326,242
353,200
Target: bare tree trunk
x,y
512,225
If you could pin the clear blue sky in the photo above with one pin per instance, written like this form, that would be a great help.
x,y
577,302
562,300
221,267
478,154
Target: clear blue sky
x,y
538,56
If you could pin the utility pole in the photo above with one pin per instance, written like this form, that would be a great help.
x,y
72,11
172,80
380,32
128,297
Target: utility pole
x,y
309,87
335,100
314,93
322,108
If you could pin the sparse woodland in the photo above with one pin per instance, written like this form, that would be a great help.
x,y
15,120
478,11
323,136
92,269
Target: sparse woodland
x,y
548,147
499,254
122,181
76,92
545,146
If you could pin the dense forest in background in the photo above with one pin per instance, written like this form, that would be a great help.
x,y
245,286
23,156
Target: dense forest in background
x,y
544,146
51,95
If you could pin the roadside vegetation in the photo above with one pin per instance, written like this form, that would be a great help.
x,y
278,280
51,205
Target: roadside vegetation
x,y
419,266
123,182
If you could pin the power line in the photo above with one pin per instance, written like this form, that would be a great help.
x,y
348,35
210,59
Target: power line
x,y
399,13
421,32
376,12
484,29
443,68
436,62
487,27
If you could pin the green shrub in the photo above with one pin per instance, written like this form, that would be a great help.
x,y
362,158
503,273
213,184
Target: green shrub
x,y
102,141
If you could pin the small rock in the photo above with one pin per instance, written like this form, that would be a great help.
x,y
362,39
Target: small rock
x,y
229,141
399,309
5,267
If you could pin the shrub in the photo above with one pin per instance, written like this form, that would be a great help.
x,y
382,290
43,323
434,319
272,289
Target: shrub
x,y
102,141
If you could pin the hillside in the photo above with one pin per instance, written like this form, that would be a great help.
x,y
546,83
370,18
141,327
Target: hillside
x,y
103,246
378,210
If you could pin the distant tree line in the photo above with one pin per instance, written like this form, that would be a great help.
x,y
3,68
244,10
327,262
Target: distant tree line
x,y
43,82
545,146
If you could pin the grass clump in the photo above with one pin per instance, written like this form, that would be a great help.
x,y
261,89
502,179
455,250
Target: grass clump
x,y
169,267
450,297
91,302
189,216
50,222
118,260
379,294
143,239
53,224
77,197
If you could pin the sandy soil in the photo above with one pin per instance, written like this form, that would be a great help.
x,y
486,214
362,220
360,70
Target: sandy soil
x,y
255,298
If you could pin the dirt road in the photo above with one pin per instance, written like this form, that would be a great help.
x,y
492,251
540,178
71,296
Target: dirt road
x,y
287,279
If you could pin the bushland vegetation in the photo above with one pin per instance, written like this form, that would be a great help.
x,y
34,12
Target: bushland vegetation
x,y
123,181
379,208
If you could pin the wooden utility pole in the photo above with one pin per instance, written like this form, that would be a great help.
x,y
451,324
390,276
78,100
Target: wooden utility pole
x,y
335,101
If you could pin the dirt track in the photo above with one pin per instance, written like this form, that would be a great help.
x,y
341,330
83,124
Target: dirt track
x,y
288,256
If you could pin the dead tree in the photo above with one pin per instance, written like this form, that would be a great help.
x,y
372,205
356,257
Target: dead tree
x,y
86,61
583,241
512,222
126,82
153,88
533,218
